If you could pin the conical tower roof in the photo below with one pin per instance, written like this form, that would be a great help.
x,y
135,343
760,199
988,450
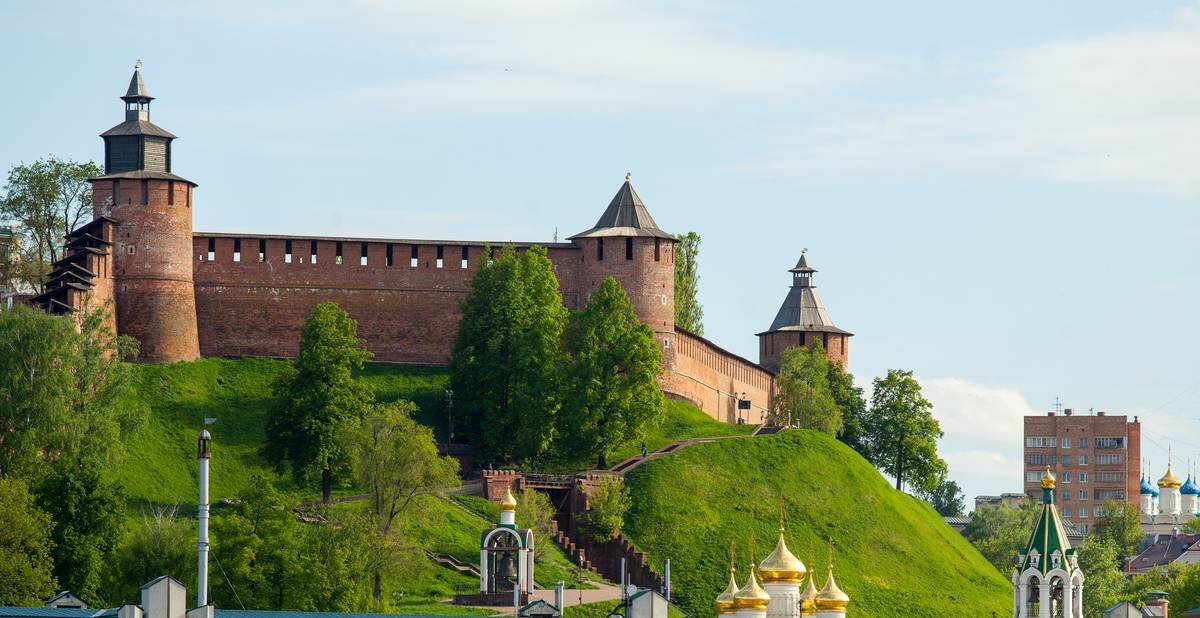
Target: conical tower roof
x,y
137,88
1048,534
802,309
626,215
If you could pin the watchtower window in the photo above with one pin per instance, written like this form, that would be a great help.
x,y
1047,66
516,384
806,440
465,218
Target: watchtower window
x,y
212,249
145,191
415,258
337,254
170,192
629,248
237,249
362,258
389,255
439,256
464,256
657,249
287,252
600,249
313,251
116,192
262,249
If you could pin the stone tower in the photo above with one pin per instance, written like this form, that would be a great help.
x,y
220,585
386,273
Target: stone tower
x,y
628,245
802,320
152,240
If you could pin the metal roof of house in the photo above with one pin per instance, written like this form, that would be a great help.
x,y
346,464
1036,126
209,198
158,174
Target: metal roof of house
x,y
626,215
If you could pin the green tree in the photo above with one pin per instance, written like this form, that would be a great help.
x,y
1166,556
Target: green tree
x,y
1185,587
612,377
689,315
318,400
26,566
608,505
805,398
88,511
48,198
903,433
260,547
1000,531
535,512
507,356
1103,581
398,460
1119,523
162,544
946,499
849,399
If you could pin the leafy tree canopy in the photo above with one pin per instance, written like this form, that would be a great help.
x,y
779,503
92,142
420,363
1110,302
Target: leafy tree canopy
x,y
902,432
605,518
26,566
689,314
612,376
946,499
319,402
805,395
999,532
161,544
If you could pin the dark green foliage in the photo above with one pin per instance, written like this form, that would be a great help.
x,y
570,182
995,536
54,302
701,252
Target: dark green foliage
x,y
1102,576
612,377
161,544
48,198
805,395
894,555
26,566
1000,531
259,545
535,512
1118,523
87,510
946,499
902,432
507,354
605,518
689,314
318,402
849,399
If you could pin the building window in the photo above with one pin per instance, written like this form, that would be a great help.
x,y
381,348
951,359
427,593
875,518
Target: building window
x,y
1109,477
1108,460
1083,496
212,249
1083,460
1066,460
287,252
415,258
313,252
1083,442
132,249
145,192
1038,460
1110,442
629,248
1108,494
1066,496
337,253
362,258
1066,511
440,254
1040,442
1065,477
1083,513
237,249
388,256
1083,477
1066,443
170,192
1033,476
262,250
657,249
465,257
116,192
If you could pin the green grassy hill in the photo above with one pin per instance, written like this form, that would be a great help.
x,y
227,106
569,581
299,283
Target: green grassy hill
x,y
894,555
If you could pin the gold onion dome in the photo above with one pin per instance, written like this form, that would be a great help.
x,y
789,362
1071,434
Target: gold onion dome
x,y
508,502
1048,479
781,567
726,603
808,598
752,596
832,597
1169,479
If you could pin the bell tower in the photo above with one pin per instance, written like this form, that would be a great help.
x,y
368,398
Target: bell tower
x,y
152,243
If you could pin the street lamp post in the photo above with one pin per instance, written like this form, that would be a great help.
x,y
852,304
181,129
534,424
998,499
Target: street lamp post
x,y
449,418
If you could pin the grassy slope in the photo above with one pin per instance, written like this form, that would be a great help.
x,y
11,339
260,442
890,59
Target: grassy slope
x,y
894,555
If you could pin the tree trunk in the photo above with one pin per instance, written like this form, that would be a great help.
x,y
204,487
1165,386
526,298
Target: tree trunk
x,y
899,471
326,485
601,462
378,586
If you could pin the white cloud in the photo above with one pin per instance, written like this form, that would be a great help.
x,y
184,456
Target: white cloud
x,y
1122,106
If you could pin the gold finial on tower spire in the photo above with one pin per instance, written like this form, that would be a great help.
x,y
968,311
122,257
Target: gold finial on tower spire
x,y
1048,479
726,602
832,597
627,175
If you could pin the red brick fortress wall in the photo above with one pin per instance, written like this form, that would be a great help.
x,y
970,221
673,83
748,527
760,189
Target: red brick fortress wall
x,y
406,313
152,272
713,379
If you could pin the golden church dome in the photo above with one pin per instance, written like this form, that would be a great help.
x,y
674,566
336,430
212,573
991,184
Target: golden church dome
x,y
1048,479
808,598
781,567
832,597
725,601
1169,479
752,596
508,502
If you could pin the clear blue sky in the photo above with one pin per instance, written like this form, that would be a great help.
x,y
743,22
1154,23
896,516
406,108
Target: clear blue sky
x,y
1001,197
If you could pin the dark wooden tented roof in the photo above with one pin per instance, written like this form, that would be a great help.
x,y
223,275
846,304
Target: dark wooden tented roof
x,y
626,215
